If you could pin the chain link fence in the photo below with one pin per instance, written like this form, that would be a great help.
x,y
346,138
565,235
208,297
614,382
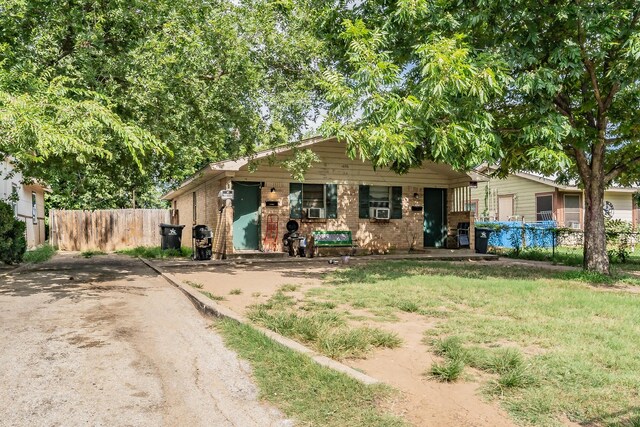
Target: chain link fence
x,y
546,241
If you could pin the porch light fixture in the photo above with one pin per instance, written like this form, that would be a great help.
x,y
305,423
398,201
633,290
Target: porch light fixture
x,y
416,196
273,189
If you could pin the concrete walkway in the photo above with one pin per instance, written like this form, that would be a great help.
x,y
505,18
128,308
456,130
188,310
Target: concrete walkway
x,y
106,341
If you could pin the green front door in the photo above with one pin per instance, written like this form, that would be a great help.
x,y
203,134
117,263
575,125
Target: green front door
x,y
435,217
246,218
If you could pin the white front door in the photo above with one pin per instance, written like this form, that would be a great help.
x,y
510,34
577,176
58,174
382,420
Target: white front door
x,y
505,208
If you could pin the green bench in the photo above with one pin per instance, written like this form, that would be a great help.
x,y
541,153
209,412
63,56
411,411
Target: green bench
x,y
332,239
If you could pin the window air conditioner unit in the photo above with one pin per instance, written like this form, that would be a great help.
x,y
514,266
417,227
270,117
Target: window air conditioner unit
x,y
315,213
574,225
382,213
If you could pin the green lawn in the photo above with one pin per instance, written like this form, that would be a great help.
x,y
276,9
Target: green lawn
x,y
554,345
311,394
572,256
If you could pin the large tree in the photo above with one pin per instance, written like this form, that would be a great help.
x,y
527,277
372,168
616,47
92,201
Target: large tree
x,y
551,87
110,97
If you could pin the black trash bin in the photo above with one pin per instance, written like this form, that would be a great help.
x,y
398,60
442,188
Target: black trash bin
x,y
171,236
482,239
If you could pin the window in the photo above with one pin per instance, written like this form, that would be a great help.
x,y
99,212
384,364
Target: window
x,y
313,201
34,208
195,208
472,207
544,208
380,202
572,211
313,196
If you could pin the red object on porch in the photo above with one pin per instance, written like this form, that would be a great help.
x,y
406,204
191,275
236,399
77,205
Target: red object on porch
x,y
271,236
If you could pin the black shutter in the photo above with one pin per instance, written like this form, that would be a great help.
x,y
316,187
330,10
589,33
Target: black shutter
x,y
363,198
295,200
396,202
331,203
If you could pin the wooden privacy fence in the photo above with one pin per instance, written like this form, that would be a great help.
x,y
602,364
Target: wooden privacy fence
x,y
106,230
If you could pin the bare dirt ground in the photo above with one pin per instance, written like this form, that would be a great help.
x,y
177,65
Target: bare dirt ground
x,y
105,341
424,402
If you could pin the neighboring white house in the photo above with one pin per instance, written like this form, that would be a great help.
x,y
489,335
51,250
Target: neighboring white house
x,y
28,202
528,197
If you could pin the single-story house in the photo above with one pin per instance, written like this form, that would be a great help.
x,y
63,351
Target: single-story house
x,y
383,211
532,198
27,201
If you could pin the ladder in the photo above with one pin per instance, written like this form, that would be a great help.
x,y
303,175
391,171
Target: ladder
x,y
271,235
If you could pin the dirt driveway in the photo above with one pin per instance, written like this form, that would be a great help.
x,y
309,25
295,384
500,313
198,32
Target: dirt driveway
x,y
105,341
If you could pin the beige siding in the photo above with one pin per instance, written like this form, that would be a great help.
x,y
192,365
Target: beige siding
x,y
523,190
335,167
622,204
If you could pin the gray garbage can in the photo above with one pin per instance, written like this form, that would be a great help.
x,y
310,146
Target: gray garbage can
x,y
171,236
482,239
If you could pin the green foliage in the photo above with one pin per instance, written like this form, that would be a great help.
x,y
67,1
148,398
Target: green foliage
x,y
12,236
92,253
153,252
619,239
104,99
40,254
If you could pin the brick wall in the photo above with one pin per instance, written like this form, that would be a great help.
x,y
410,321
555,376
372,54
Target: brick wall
x,y
453,218
371,235
206,208
374,236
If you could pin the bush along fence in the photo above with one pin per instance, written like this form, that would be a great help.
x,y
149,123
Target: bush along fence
x,y
546,235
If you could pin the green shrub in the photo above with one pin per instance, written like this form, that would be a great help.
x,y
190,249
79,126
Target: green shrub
x,y
40,254
12,236
618,239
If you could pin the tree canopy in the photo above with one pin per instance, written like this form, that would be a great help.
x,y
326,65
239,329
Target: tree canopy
x,y
133,94
551,87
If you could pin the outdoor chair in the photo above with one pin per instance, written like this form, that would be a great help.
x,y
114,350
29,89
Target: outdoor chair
x,y
463,234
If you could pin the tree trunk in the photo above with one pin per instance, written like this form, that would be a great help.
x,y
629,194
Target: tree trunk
x,y
595,240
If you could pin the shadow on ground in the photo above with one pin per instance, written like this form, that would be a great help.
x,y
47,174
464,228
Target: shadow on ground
x,y
291,270
66,276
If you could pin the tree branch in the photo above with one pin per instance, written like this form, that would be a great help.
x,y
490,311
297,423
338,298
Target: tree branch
x,y
582,162
588,64
614,89
615,171
564,107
